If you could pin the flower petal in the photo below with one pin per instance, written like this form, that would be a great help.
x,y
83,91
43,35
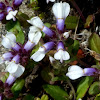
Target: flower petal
x,y
75,72
61,55
15,69
36,21
61,10
39,55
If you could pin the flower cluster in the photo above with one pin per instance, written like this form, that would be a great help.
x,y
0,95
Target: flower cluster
x,y
9,11
56,37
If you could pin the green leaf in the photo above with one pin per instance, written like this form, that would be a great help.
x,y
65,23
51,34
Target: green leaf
x,y
94,43
48,25
94,88
97,97
15,28
28,97
73,49
83,86
56,92
18,85
45,73
44,97
71,22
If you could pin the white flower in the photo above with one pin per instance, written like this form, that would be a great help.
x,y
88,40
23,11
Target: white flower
x,y
66,34
51,59
11,15
36,21
9,40
39,55
50,0
34,34
16,70
61,10
61,55
75,72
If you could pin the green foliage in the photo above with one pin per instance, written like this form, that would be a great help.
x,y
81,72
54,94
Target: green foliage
x,y
73,49
71,22
46,74
56,92
18,85
28,97
44,97
94,88
83,87
97,97
94,43
15,27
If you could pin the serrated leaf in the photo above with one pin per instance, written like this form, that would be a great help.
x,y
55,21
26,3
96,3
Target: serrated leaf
x,y
94,88
71,22
83,87
94,43
15,28
56,92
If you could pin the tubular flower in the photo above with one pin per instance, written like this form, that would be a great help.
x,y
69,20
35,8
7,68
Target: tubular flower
x,y
33,38
36,21
61,54
8,11
61,11
9,41
15,70
75,72
40,54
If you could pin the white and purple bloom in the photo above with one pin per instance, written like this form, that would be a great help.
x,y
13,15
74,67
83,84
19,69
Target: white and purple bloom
x,y
34,36
9,41
61,54
15,70
11,14
8,11
40,54
61,11
75,72
36,21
